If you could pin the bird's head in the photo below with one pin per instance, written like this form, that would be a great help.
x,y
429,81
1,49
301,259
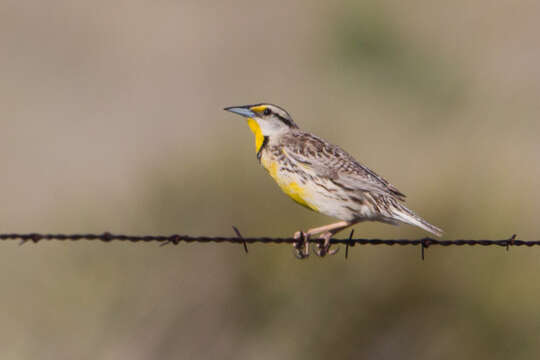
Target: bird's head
x,y
265,120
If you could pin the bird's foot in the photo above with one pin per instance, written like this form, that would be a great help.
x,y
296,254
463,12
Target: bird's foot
x,y
301,247
324,248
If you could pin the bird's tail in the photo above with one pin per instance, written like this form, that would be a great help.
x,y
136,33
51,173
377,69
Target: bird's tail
x,y
408,216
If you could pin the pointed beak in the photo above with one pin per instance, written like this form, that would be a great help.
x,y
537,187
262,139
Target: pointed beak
x,y
241,110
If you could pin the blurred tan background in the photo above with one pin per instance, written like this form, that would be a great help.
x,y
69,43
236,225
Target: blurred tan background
x,y
111,119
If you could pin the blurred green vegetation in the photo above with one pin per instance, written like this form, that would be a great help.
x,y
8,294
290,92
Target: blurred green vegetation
x,y
371,48
113,121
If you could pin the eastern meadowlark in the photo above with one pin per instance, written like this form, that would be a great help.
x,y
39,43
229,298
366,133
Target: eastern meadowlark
x,y
323,178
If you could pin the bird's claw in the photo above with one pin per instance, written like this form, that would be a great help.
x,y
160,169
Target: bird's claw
x,y
324,248
301,247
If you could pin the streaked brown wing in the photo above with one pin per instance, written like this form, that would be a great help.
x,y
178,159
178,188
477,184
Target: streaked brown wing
x,y
334,163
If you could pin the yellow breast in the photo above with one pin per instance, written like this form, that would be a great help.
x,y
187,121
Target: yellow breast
x,y
297,192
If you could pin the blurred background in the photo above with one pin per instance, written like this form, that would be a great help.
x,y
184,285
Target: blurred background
x,y
111,120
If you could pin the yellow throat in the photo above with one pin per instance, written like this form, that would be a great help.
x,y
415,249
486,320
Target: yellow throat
x,y
255,128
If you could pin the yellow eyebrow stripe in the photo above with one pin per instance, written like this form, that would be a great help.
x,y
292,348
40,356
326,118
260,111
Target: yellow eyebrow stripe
x,y
259,108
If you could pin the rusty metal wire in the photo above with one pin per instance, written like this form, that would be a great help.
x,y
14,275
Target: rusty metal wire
x,y
239,239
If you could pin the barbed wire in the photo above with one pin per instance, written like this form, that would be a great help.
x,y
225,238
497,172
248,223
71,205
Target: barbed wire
x,y
239,239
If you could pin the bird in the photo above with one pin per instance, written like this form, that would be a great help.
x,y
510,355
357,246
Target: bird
x,y
323,177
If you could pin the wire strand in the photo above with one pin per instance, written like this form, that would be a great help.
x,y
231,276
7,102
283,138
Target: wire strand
x,y
176,239
239,239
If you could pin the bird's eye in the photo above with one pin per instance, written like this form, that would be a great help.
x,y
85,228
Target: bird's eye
x,y
267,111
